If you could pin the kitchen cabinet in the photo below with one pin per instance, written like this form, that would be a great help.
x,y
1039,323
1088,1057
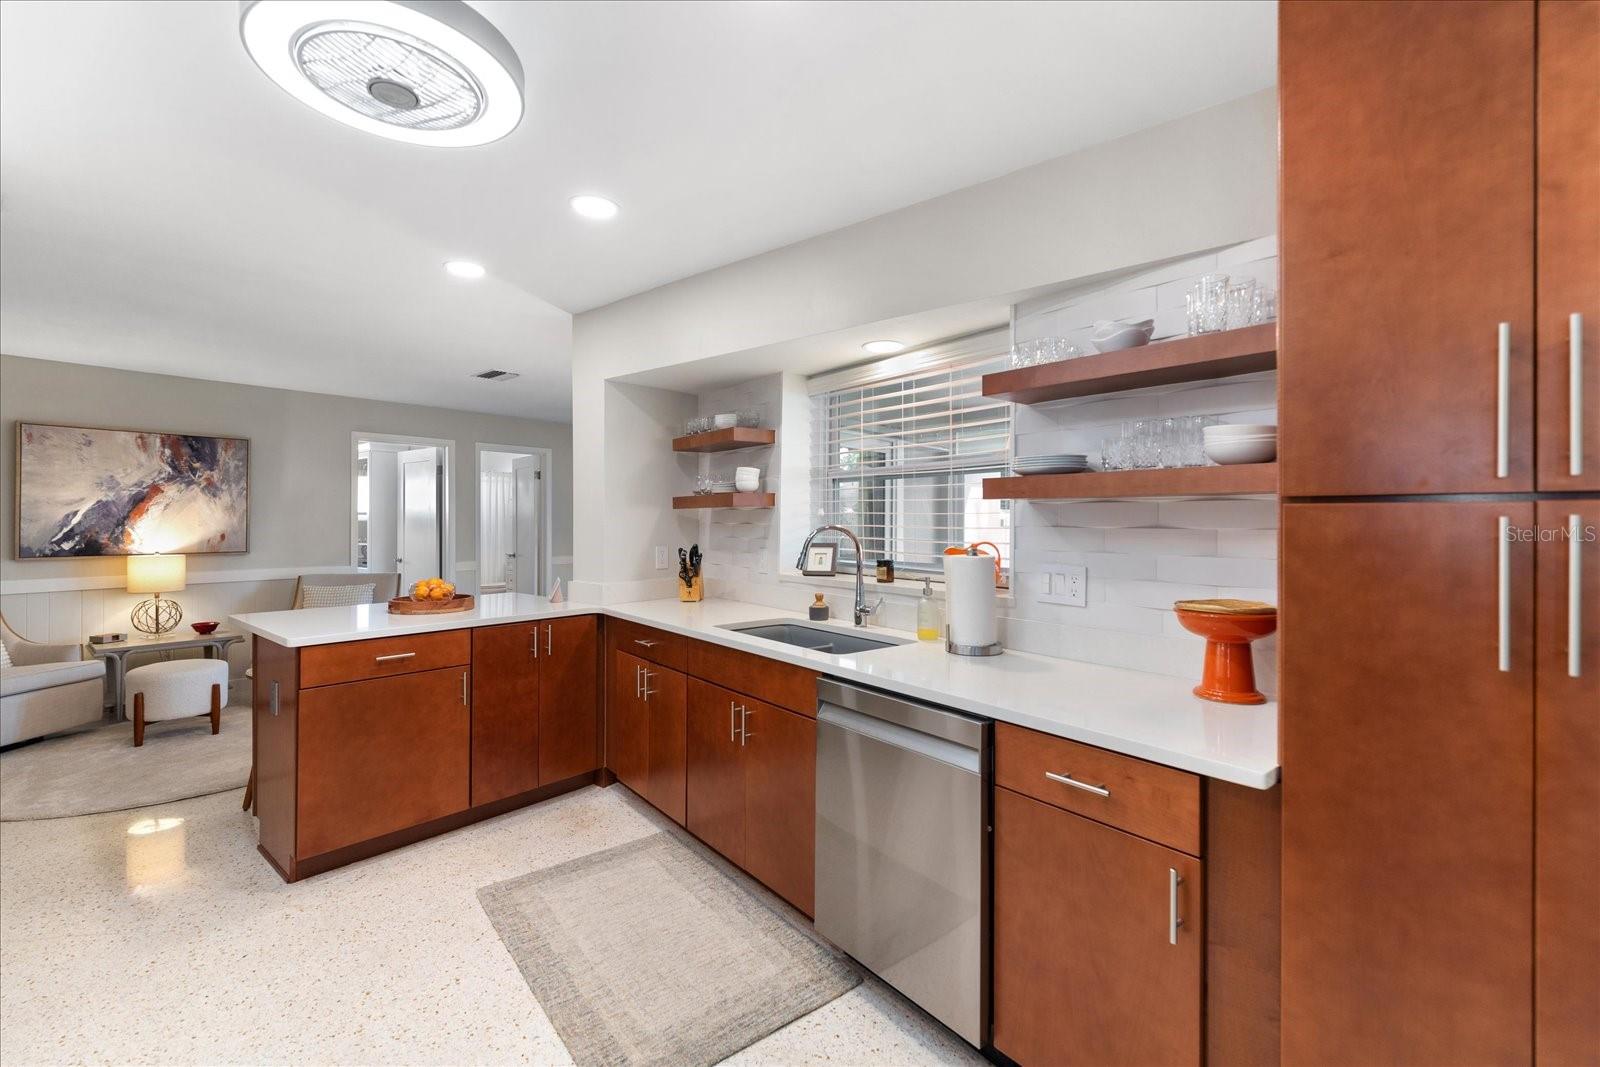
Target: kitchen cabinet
x,y
752,772
1407,739
646,731
505,710
1407,240
569,698
1567,794
1567,250
380,755
1098,939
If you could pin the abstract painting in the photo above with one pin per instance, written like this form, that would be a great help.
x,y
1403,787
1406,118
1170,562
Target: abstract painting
x,y
89,492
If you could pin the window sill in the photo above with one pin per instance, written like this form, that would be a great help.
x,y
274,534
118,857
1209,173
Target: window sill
x,y
911,588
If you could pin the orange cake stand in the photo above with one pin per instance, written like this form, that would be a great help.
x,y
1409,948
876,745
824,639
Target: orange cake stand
x,y
1228,627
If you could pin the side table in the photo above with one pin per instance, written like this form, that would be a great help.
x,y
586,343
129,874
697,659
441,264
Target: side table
x,y
116,655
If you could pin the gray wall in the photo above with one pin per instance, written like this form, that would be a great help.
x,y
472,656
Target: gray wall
x,y
299,456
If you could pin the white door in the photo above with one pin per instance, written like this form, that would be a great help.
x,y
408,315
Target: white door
x,y
418,538
527,482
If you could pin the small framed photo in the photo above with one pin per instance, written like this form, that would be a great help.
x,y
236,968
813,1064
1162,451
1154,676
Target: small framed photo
x,y
820,560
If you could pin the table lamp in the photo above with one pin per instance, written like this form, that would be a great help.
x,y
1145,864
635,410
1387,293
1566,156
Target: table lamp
x,y
159,573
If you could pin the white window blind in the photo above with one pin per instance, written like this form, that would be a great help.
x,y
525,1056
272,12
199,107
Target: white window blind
x,y
900,451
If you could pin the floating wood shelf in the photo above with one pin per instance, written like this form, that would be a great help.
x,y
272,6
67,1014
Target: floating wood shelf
x,y
1229,480
1185,359
724,440
725,500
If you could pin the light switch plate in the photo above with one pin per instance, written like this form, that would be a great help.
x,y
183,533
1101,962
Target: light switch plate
x,y
1065,585
661,557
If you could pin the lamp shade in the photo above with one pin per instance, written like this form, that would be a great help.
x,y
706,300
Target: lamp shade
x,y
160,573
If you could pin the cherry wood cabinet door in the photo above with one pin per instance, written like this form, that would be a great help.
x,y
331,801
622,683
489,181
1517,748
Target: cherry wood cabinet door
x,y
715,770
1407,783
666,702
1085,968
381,755
628,724
781,801
1567,797
505,710
1407,238
1568,248
569,697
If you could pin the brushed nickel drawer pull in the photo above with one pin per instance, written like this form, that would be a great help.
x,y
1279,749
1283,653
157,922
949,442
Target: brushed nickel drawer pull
x,y
548,640
1504,606
1575,394
648,692
1067,779
744,727
1173,922
464,689
274,705
395,656
645,643
1574,597
1502,403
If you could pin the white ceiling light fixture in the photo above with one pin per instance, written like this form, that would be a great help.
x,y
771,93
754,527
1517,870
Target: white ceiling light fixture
x,y
465,268
594,207
428,72
884,348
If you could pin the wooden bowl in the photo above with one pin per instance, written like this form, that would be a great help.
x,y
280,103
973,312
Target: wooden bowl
x,y
404,605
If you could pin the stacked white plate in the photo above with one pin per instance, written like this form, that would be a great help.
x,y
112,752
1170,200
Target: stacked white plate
x,y
722,487
1245,443
1060,463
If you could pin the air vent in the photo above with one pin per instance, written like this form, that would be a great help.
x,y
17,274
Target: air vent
x,y
497,375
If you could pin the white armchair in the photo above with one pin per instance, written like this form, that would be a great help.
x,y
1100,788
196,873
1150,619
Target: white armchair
x,y
46,688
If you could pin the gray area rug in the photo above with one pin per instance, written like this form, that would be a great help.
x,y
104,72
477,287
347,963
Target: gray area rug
x,y
656,952
100,770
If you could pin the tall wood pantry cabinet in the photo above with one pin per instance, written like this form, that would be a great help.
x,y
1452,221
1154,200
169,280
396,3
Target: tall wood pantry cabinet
x,y
1439,654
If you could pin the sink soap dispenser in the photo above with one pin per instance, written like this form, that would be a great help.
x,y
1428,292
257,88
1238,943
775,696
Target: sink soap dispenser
x,y
930,620
819,609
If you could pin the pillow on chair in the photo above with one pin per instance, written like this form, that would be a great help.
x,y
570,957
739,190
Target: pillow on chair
x,y
5,655
334,596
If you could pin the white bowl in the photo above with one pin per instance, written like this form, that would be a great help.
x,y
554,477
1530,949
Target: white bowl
x,y
1258,451
1254,429
743,472
1113,337
747,485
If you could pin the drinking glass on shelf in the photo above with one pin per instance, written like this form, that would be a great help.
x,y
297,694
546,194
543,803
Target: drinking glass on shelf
x,y
1240,305
1264,305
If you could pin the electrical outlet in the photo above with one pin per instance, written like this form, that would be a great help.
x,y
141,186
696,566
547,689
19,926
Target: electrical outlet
x,y
661,558
1066,585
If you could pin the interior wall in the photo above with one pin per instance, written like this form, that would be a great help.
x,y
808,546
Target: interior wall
x,y
1205,181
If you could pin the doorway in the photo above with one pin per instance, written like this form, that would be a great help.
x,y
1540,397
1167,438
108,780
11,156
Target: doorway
x,y
513,516
400,518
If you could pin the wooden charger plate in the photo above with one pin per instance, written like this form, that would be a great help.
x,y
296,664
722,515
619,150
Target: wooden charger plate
x,y
404,605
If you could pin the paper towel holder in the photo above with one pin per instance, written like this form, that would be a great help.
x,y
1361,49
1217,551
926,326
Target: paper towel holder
x,y
970,650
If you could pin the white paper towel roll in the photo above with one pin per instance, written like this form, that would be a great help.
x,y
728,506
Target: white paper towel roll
x,y
970,607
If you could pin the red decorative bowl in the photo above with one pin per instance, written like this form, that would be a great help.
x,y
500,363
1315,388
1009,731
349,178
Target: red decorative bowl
x,y
1228,627
203,628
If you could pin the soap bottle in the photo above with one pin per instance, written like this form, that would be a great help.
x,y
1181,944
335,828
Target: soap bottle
x,y
819,609
930,622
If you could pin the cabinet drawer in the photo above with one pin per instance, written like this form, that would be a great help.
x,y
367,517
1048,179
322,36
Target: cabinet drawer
x,y
646,642
1147,799
782,684
383,657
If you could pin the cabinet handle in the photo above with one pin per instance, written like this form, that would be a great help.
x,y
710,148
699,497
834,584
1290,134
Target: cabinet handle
x,y
394,656
548,639
648,692
744,728
1574,596
464,689
1505,593
1502,403
1067,779
534,648
1575,394
638,682
645,643
274,705
1173,922
733,731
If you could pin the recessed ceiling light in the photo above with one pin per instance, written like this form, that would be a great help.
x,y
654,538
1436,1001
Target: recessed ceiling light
x,y
465,268
432,72
594,207
884,348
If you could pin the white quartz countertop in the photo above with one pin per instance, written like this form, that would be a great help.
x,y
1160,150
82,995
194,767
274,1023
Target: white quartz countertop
x,y
1149,716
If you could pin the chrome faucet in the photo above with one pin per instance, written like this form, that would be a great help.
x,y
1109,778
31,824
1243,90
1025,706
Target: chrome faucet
x,y
863,609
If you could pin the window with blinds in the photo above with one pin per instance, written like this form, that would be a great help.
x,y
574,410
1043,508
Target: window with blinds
x,y
900,449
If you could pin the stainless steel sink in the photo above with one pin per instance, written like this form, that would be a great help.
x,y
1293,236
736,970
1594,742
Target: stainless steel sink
x,y
826,639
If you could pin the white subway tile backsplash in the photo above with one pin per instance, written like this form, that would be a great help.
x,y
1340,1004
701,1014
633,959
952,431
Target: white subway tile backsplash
x,y
1104,513
1155,594
1256,544
1215,570
1220,513
1158,541
1248,252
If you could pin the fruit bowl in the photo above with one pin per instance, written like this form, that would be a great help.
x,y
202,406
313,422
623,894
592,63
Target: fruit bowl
x,y
405,605
203,628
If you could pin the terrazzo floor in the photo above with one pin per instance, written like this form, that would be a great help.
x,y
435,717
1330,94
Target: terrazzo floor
x,y
160,936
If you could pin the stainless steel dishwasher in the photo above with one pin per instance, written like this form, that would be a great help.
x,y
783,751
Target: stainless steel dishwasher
x,y
903,847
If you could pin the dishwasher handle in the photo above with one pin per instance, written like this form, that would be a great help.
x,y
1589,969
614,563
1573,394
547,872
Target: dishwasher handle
x,y
893,734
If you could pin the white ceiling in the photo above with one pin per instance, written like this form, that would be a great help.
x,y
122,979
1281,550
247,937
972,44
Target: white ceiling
x,y
164,207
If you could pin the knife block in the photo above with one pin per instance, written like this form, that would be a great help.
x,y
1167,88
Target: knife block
x,y
694,592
